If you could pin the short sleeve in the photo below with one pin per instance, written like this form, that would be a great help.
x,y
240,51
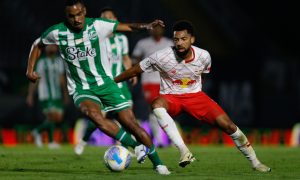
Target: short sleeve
x,y
207,64
138,50
148,64
105,27
49,36
125,45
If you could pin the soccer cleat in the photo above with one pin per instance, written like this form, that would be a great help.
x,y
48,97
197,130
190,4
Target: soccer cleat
x,y
79,148
53,145
141,153
162,169
37,138
186,159
262,168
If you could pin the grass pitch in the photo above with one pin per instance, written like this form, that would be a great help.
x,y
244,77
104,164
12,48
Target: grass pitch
x,y
213,162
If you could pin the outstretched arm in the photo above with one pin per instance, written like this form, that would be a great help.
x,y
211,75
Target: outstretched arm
x,y
129,73
139,26
128,64
35,53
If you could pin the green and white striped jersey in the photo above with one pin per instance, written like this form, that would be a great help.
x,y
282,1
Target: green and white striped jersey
x,y
117,47
50,70
84,53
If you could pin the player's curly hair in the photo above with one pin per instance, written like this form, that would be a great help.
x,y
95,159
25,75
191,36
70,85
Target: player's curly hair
x,y
73,2
184,25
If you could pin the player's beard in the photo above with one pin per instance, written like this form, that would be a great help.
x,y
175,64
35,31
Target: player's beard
x,y
182,54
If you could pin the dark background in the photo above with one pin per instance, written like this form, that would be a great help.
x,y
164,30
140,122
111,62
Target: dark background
x,y
254,47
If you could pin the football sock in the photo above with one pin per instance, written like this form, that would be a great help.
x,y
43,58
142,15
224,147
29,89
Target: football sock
x,y
89,130
168,125
49,127
155,128
153,156
126,139
244,146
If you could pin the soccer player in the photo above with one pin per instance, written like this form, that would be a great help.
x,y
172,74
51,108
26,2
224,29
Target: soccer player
x,y
50,88
180,69
117,48
151,81
82,45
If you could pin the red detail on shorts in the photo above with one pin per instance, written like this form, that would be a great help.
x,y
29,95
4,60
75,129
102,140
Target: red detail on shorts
x,y
151,91
197,104
165,126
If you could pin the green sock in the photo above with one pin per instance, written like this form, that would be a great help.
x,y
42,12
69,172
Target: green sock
x,y
89,130
153,156
49,126
51,131
126,139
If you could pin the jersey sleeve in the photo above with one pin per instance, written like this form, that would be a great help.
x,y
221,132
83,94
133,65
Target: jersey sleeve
x,y
138,50
49,36
125,45
207,64
105,27
148,64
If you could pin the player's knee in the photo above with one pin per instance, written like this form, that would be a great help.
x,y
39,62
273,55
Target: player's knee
x,y
157,103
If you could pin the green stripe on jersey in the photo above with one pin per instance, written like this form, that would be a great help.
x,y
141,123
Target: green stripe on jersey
x,y
85,55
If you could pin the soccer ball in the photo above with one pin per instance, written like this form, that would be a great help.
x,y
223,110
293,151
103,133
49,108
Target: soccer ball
x,y
117,158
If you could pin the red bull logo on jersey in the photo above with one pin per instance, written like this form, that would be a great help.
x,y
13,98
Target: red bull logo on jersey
x,y
76,53
184,82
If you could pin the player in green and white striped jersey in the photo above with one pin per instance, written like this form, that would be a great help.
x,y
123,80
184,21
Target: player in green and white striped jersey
x,y
117,48
50,87
82,46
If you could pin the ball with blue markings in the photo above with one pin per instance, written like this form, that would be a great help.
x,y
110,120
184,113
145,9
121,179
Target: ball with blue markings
x,y
117,158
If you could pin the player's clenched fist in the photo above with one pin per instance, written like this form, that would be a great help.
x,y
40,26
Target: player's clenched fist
x,y
32,76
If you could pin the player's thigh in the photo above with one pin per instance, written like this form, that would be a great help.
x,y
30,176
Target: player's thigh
x,y
170,102
113,99
202,107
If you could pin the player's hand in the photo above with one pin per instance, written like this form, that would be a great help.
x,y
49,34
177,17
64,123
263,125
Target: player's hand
x,y
32,76
156,22
133,80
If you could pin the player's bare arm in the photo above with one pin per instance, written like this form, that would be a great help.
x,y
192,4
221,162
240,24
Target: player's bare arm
x,y
129,73
34,54
139,26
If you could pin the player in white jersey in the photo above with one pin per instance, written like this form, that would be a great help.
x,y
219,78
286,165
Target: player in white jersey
x,y
117,48
50,88
151,80
81,41
180,69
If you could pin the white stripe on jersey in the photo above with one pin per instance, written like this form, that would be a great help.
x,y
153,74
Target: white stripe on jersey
x,y
71,42
91,60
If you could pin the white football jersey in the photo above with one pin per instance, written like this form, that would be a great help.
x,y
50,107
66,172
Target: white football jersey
x,y
178,76
144,48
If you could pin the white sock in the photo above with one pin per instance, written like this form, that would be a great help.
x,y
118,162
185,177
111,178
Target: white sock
x,y
155,128
244,146
168,125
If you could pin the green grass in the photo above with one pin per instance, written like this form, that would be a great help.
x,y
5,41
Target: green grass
x,y
213,162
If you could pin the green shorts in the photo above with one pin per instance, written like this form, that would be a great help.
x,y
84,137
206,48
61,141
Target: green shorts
x,y
126,92
108,96
52,105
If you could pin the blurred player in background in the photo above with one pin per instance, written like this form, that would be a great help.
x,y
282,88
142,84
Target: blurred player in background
x,y
52,93
151,80
82,44
180,69
117,48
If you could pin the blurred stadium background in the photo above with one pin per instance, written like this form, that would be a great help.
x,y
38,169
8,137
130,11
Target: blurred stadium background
x,y
255,73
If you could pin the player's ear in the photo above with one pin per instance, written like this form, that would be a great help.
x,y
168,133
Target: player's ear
x,y
192,39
